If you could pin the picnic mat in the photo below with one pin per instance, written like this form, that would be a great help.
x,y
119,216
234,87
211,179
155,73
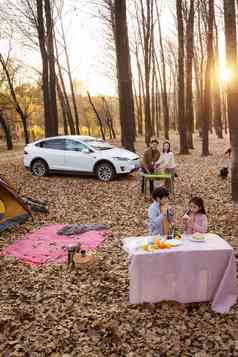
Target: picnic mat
x,y
46,246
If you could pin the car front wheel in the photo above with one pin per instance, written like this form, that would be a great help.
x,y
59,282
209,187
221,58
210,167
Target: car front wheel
x,y
39,168
105,171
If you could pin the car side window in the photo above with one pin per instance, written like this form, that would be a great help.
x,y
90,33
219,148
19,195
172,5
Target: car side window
x,y
57,144
72,145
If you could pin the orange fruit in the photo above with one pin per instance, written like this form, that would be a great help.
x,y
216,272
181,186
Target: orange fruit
x,y
146,247
157,243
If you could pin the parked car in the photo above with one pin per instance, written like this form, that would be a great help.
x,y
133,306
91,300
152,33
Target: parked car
x,y
79,154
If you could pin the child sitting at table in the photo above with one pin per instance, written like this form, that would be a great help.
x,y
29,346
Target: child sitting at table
x,y
195,220
160,216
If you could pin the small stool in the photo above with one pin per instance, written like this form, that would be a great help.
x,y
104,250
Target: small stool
x,y
158,177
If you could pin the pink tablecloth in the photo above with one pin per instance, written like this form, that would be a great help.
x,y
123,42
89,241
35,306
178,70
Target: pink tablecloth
x,y
191,272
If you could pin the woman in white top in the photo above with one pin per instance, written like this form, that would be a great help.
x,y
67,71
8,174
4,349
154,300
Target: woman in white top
x,y
166,162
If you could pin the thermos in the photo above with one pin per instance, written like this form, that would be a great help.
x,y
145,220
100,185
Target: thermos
x,y
72,249
171,232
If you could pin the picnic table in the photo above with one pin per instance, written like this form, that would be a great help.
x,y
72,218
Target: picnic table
x,y
158,177
190,272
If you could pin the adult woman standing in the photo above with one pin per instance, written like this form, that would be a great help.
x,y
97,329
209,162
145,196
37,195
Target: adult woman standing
x,y
166,162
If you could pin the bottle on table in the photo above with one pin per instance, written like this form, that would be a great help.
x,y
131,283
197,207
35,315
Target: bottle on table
x,y
171,231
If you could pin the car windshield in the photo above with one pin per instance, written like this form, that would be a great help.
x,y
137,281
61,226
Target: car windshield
x,y
98,144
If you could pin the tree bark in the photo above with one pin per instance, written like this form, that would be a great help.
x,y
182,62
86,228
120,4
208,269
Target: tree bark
x,y
141,94
232,90
217,91
71,82
181,109
6,130
63,107
137,105
147,23
126,103
61,85
153,87
53,124
164,82
45,69
199,71
97,115
109,115
189,114
198,91
157,108
17,106
207,112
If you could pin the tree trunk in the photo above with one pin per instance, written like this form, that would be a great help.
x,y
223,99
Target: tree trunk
x,y
198,91
164,82
147,69
6,130
141,92
153,84
17,106
61,85
181,109
157,108
189,114
224,110
97,115
199,71
45,69
145,30
53,124
207,112
137,105
63,107
217,91
126,103
232,90
140,122
71,82
109,115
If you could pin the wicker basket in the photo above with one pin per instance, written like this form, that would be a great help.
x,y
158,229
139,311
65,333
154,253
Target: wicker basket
x,y
84,262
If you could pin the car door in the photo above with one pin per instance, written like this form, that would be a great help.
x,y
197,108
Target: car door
x,y
52,151
78,157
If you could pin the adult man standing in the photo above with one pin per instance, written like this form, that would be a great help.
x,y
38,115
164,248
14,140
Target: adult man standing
x,y
151,155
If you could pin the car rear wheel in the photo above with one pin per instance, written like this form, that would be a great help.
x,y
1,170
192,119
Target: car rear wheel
x,y
39,168
105,171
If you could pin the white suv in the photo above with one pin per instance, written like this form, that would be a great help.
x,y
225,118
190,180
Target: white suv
x,y
79,154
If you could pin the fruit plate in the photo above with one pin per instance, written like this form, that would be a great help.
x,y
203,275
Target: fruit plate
x,y
197,240
174,242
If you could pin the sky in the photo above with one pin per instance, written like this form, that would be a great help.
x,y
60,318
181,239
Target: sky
x,y
89,57
87,50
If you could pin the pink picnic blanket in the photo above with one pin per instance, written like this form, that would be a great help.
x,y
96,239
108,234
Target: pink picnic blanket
x,y
46,246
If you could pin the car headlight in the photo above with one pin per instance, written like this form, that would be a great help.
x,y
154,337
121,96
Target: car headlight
x,y
121,158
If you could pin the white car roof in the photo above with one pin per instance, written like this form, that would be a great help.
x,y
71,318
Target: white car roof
x,y
79,137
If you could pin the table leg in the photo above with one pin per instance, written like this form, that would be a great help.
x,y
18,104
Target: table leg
x,y
142,184
151,186
172,186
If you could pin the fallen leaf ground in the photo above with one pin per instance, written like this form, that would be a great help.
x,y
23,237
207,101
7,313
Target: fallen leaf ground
x,y
49,311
